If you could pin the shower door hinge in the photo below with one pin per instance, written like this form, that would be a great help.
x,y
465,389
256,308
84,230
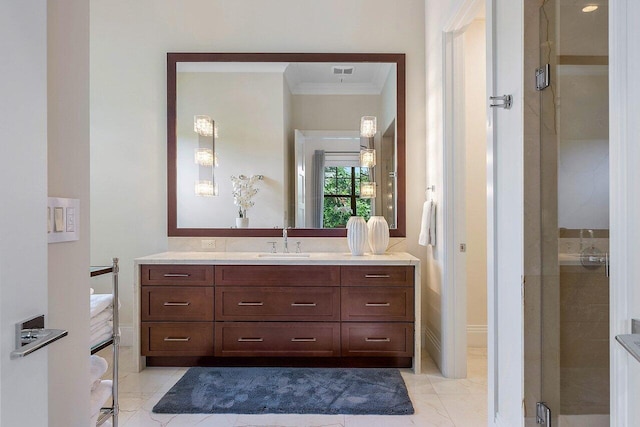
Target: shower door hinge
x,y
543,75
543,414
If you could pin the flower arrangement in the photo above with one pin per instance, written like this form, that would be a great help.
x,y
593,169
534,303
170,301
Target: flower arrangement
x,y
243,191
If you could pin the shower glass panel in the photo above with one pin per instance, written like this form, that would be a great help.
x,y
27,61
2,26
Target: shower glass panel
x,y
574,195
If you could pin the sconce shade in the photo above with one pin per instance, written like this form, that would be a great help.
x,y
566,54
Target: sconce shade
x,y
367,157
204,157
206,188
203,125
368,126
367,190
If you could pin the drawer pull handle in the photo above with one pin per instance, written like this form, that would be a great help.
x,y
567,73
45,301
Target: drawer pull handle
x,y
250,304
377,276
176,304
377,339
303,304
177,339
250,340
303,340
377,304
176,275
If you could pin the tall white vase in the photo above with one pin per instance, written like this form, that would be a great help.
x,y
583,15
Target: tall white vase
x,y
378,231
356,235
242,222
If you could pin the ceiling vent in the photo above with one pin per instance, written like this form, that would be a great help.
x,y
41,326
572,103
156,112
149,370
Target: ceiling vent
x,y
342,70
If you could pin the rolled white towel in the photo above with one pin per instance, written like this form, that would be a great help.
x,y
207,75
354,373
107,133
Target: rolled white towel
x,y
98,397
97,368
99,302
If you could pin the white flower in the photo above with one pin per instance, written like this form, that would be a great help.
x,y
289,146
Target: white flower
x,y
243,191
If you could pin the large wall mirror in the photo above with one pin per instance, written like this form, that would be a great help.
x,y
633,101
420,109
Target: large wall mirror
x,y
262,141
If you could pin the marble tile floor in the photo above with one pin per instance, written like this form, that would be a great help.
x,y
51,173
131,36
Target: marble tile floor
x,y
437,401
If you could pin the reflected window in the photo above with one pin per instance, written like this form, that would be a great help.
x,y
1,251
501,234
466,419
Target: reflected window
x,y
342,195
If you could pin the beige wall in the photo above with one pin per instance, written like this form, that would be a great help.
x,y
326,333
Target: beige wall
x,y
475,183
248,109
129,42
68,176
333,112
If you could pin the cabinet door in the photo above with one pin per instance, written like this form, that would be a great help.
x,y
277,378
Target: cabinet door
x,y
176,274
277,303
277,275
279,339
386,304
177,339
176,303
377,339
373,275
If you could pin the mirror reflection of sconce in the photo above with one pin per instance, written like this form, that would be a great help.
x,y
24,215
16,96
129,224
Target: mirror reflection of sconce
x,y
368,129
205,156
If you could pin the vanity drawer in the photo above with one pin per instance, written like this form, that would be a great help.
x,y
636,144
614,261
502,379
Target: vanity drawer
x,y
277,275
175,274
377,339
278,303
371,275
178,303
244,339
377,304
177,339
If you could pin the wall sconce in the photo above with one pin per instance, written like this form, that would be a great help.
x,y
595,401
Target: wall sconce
x,y
367,157
368,126
205,157
203,125
368,129
367,190
206,188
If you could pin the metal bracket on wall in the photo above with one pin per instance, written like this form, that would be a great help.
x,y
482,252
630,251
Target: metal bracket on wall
x,y
543,414
505,101
543,77
631,342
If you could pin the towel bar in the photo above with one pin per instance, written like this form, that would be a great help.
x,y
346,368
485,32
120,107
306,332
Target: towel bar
x,y
631,342
31,336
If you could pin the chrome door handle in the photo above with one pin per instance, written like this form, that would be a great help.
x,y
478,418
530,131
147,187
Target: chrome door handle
x,y
377,339
176,275
303,304
176,304
376,276
250,340
303,340
250,304
377,304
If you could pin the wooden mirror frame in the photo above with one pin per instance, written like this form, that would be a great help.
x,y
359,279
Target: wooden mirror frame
x,y
174,58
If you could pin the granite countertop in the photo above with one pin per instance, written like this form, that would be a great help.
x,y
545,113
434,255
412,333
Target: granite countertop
x,y
265,258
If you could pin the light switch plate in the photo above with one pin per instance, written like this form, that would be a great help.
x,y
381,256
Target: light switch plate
x,y
63,217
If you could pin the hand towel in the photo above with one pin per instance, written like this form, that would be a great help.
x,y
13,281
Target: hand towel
x,y
99,302
98,398
425,222
100,336
428,224
99,328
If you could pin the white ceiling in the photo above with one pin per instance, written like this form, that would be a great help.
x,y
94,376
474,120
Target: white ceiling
x,y
306,78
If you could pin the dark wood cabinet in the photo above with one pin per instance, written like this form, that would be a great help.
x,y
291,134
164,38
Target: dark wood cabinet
x,y
277,311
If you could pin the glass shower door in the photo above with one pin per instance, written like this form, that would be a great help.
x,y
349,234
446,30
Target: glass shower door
x,y
574,215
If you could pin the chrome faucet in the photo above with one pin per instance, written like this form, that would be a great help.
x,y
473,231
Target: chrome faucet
x,y
285,240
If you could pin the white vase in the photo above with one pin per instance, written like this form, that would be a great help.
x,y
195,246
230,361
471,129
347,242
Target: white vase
x,y
242,222
378,231
356,235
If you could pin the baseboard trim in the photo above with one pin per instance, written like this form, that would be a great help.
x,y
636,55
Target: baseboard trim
x,y
126,336
477,336
433,345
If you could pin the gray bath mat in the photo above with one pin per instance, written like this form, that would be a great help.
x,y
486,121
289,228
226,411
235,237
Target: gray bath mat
x,y
360,391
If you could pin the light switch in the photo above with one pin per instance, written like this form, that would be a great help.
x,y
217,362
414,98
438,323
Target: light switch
x,y
58,219
71,219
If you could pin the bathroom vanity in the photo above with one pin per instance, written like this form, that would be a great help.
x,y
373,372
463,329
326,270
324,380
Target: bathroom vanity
x,y
246,309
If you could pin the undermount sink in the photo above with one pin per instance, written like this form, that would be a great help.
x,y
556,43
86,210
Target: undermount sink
x,y
284,255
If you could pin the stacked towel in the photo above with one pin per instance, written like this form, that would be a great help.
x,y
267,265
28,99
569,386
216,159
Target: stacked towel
x,y
99,396
101,324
